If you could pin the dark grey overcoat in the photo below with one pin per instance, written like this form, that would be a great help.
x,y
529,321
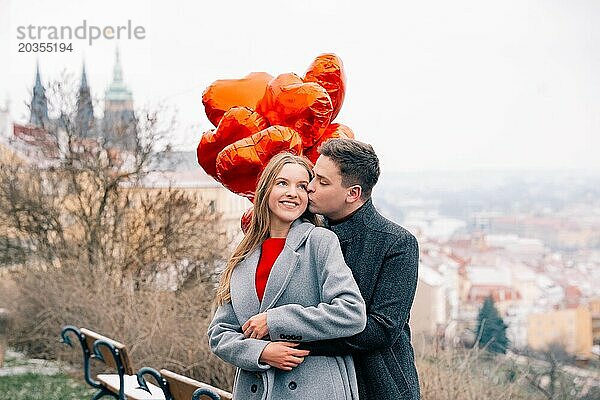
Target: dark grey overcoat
x,y
384,259
310,295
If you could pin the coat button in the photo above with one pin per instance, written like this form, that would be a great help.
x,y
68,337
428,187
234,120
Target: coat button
x,y
293,337
282,336
299,337
292,385
253,388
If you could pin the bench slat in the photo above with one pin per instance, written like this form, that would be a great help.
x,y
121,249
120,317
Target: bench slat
x,y
182,387
111,381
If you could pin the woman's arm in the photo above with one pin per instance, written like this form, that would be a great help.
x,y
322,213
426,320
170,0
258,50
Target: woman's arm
x,y
342,310
228,342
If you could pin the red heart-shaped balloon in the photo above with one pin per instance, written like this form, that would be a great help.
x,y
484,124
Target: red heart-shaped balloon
x,y
328,71
240,164
237,123
223,94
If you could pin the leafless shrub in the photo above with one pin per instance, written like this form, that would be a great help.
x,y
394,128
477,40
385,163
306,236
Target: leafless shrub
x,y
162,329
448,373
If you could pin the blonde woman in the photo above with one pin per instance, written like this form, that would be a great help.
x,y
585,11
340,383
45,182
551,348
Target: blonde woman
x,y
286,276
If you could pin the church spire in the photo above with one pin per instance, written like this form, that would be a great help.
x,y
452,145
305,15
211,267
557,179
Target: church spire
x,y
85,109
39,103
83,78
38,80
117,70
117,91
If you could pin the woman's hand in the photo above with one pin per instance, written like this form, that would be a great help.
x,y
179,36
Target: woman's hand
x,y
256,327
283,355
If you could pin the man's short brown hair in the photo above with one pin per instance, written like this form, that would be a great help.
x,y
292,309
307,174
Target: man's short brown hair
x,y
357,162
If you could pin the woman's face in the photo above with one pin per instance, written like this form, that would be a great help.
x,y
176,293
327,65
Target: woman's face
x,y
288,199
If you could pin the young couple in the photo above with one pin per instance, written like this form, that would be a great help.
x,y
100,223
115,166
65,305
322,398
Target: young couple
x,y
313,312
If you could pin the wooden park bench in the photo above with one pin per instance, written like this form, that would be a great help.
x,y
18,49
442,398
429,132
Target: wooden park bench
x,y
123,383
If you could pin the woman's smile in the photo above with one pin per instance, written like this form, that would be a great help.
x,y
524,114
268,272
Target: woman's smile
x,y
289,204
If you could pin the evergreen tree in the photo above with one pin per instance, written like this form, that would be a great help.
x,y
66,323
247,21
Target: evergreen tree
x,y
491,329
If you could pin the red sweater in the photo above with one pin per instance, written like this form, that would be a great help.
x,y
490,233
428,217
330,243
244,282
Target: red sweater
x,y
271,248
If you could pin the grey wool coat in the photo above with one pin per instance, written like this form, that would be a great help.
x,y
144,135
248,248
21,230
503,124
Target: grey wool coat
x,y
310,295
384,259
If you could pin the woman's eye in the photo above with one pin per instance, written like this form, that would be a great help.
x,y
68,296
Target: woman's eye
x,y
281,183
323,182
303,187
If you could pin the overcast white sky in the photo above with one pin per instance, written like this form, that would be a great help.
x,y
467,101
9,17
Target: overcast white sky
x,y
465,84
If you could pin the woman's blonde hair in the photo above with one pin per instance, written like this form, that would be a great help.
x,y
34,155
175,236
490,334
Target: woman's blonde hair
x,y
258,229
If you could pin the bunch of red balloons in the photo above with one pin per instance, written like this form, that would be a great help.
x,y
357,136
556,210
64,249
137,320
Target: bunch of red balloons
x,y
259,116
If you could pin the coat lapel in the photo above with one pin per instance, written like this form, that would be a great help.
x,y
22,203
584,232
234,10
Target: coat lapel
x,y
285,264
243,292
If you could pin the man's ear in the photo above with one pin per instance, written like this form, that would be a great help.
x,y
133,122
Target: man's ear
x,y
353,194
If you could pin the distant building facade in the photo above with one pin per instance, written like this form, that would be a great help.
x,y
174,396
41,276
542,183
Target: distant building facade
x,y
594,307
570,328
428,313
